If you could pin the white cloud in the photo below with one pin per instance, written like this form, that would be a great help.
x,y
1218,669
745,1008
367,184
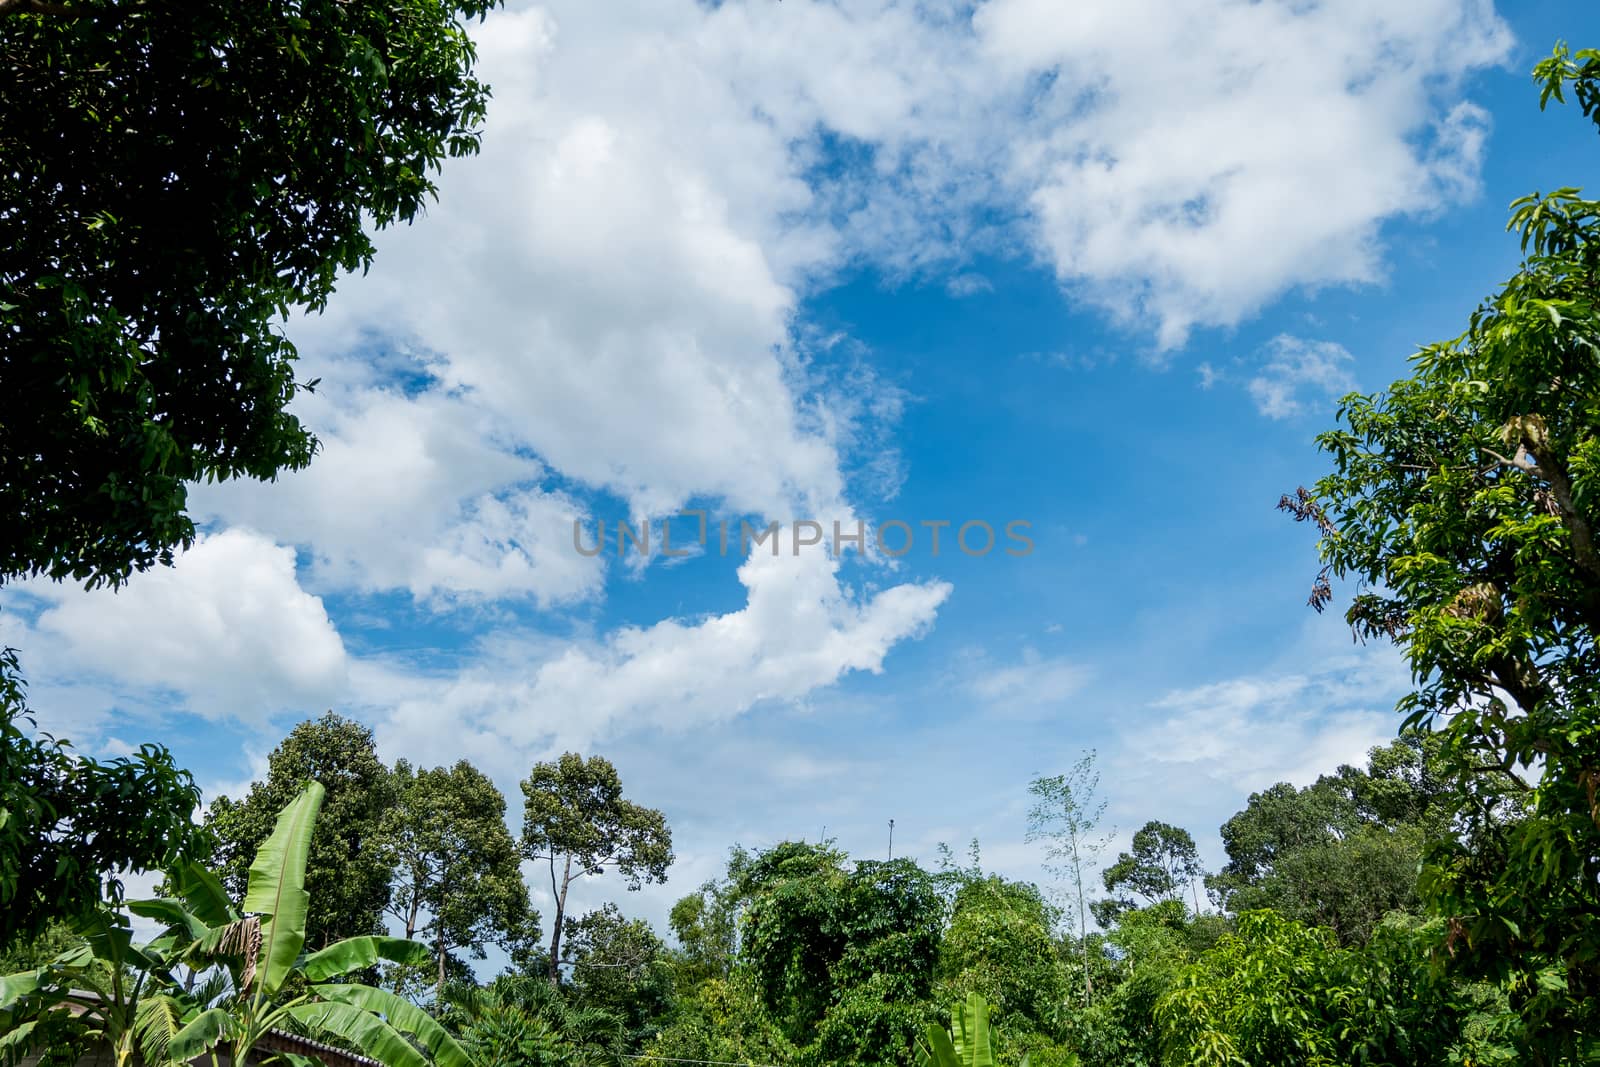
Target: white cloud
x,y
1295,366
228,629
1033,685
1194,161
1248,732
525,697
419,493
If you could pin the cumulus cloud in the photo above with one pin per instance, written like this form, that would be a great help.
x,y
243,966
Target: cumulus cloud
x,y
228,630
524,697
419,493
1294,367
1191,162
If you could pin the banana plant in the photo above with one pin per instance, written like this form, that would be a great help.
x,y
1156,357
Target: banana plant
x,y
257,976
274,983
968,1043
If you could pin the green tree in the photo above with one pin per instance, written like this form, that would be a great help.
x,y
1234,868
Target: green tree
x,y
178,178
1164,860
1066,816
457,874
71,826
577,821
1000,943
1344,851
349,869
1462,502
843,957
522,1020
619,966
705,924
1279,992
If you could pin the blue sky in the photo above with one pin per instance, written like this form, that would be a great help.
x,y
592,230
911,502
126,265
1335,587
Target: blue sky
x,y
1100,267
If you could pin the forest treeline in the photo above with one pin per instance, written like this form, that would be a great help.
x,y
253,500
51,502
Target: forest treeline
x,y
1308,945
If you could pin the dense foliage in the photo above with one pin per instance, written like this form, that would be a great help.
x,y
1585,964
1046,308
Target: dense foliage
x,y
70,826
178,177
1463,504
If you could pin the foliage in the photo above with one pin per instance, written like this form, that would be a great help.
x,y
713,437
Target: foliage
x,y
180,177
1277,991
970,1041
1164,860
999,944
706,925
70,826
619,966
1462,502
457,875
575,816
349,868
843,959
1344,851
523,1021
266,980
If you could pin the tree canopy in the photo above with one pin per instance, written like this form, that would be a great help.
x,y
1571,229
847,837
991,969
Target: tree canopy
x,y
576,820
1462,502
349,870
178,178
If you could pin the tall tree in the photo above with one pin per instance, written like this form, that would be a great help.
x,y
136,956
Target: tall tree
x,y
1164,860
1066,816
1463,503
179,176
457,874
71,827
576,820
348,871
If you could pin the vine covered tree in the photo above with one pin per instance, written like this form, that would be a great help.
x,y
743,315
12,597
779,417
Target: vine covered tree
x,y
179,177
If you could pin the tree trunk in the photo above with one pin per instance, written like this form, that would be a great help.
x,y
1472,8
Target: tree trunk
x,y
439,947
561,909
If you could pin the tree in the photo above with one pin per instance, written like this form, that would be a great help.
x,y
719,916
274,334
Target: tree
x,y
1343,852
843,957
706,926
457,875
619,966
519,1020
348,871
70,826
1462,503
1066,815
1164,859
576,817
1276,991
999,944
178,178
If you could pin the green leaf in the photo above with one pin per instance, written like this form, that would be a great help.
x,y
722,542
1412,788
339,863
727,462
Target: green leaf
x,y
354,953
15,986
277,887
201,1034
402,1015
366,1031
